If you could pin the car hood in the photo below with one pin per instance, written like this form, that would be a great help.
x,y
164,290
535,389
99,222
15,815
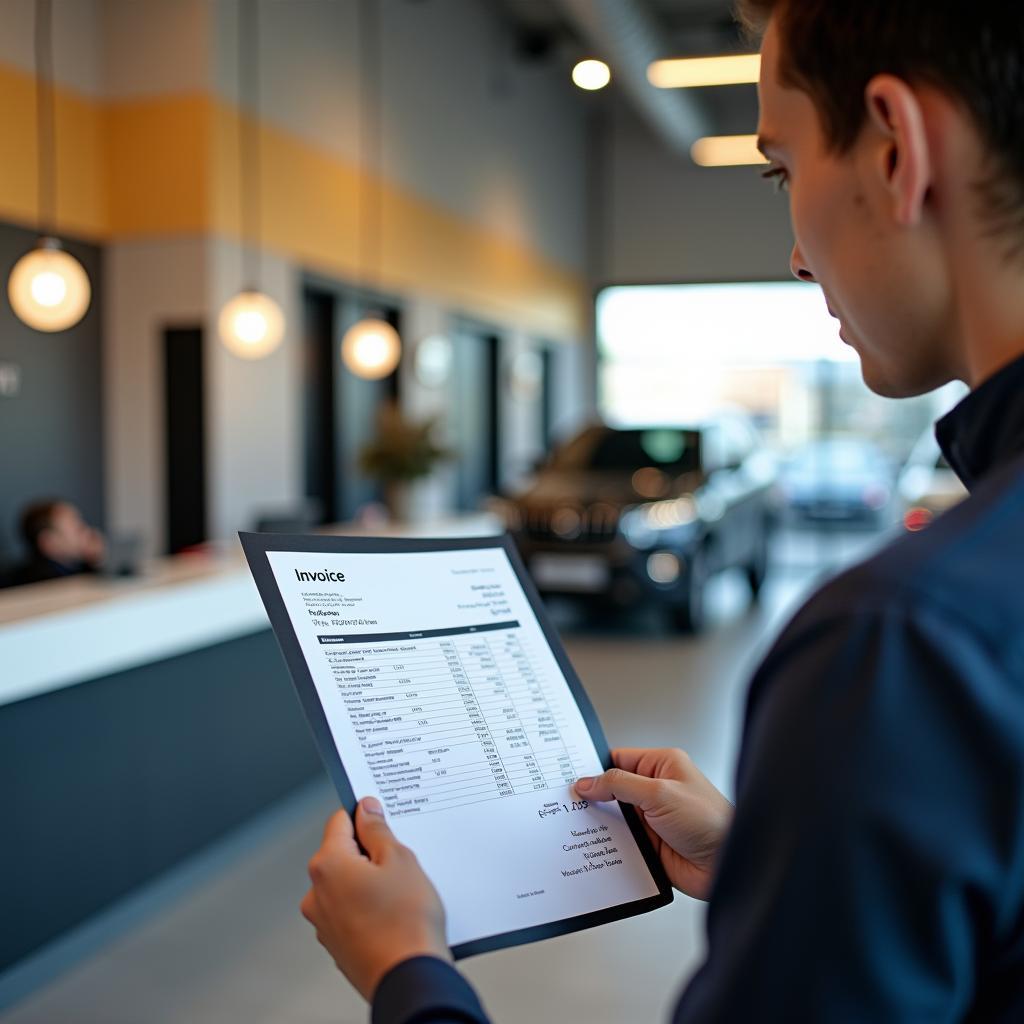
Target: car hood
x,y
585,489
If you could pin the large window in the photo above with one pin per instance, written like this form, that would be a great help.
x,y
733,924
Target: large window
x,y
670,354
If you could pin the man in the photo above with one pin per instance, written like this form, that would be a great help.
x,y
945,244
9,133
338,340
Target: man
x,y
874,868
59,541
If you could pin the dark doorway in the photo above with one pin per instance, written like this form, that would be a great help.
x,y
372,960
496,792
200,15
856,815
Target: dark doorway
x,y
476,416
318,371
186,437
340,409
547,396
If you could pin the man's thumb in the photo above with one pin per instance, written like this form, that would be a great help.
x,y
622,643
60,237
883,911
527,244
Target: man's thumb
x,y
616,784
372,828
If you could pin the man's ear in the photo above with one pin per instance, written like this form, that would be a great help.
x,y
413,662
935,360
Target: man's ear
x,y
904,162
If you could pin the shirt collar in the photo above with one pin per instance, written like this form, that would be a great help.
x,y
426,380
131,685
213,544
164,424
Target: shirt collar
x,y
987,428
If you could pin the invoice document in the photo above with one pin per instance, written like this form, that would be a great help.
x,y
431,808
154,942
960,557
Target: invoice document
x,y
433,681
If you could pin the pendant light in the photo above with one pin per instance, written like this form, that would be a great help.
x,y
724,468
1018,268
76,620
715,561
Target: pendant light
x,y
370,348
48,288
251,325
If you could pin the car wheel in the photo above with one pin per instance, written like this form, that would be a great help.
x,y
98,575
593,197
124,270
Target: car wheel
x,y
757,569
689,615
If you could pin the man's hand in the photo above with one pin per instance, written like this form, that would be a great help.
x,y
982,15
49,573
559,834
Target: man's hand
x,y
685,816
371,912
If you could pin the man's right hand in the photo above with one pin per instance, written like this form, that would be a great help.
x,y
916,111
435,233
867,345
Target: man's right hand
x,y
685,816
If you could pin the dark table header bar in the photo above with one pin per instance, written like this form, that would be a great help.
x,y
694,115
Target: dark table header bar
x,y
422,634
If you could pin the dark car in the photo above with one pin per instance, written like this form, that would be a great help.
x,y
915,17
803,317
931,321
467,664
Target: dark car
x,y
838,480
650,514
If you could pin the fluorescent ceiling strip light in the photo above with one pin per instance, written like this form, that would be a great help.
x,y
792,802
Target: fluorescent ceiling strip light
x,y
726,151
697,72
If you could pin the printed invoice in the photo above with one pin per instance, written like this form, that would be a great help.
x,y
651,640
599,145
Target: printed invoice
x,y
445,699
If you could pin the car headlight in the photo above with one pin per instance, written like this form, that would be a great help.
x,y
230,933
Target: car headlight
x,y
645,525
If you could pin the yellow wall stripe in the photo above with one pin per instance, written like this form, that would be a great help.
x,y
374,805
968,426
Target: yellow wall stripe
x,y
168,165
158,166
81,199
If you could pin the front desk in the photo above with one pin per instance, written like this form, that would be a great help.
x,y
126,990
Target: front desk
x,y
140,721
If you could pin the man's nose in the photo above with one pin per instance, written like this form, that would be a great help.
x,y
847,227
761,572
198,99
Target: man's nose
x,y
798,266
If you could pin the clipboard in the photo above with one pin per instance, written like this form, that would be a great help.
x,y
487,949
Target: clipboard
x,y
363,636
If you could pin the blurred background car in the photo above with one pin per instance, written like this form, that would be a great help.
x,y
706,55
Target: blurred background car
x,y
927,485
837,481
648,515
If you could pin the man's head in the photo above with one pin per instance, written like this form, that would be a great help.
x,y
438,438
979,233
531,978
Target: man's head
x,y
898,127
55,530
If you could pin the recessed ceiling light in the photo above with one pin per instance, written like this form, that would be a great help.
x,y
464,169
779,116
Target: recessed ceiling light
x,y
698,72
726,151
591,75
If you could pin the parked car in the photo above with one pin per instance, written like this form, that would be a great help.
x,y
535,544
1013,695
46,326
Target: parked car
x,y
838,480
927,485
648,515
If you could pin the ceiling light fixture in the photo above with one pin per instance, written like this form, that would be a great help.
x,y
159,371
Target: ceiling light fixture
x,y
727,151
371,348
48,288
700,72
251,324
591,75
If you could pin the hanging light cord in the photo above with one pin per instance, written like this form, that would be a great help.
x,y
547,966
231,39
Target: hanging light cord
x,y
45,117
371,205
249,167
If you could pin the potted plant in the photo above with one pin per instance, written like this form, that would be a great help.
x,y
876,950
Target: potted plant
x,y
403,452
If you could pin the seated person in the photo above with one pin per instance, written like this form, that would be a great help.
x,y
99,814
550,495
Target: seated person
x,y
59,541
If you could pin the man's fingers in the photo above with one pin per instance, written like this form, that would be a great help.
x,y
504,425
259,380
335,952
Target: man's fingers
x,y
372,829
658,762
337,826
627,758
616,784
308,907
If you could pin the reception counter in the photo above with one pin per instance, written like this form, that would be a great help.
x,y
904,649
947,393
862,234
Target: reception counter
x,y
140,720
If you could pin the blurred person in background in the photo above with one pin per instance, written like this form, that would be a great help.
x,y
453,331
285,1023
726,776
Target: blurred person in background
x,y
59,541
873,868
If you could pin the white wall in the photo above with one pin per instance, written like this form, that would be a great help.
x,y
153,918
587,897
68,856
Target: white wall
x,y
155,48
465,123
148,285
77,41
254,426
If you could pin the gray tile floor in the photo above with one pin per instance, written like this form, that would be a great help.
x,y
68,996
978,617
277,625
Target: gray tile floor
x,y
234,950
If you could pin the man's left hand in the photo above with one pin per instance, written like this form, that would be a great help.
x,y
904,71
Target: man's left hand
x,y
371,911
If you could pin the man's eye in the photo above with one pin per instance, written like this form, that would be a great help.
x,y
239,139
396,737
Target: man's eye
x,y
779,175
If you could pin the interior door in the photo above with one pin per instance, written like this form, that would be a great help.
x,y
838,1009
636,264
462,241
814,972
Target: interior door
x,y
474,418
356,404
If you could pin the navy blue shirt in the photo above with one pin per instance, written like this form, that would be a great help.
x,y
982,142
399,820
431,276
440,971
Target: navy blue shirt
x,y
875,867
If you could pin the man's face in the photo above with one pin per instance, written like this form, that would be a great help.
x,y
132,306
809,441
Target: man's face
x,y
882,282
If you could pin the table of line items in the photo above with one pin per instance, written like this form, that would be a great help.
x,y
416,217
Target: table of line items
x,y
450,717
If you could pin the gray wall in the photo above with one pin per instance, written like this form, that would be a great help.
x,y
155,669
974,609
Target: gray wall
x,y
666,220
51,440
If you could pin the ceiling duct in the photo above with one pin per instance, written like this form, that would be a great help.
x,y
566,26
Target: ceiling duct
x,y
624,33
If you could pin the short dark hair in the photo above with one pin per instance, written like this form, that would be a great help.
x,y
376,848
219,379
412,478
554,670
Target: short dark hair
x,y
37,518
972,52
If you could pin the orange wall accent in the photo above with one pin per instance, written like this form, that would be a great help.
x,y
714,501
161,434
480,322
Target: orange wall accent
x,y
81,200
166,166
158,166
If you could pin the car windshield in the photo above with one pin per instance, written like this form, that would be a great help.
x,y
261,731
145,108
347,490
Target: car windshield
x,y
837,456
672,450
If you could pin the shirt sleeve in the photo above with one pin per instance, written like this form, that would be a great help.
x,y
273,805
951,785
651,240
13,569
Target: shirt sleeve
x,y
426,990
870,865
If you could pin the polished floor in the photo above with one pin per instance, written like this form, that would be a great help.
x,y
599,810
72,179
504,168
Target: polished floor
x,y
233,949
